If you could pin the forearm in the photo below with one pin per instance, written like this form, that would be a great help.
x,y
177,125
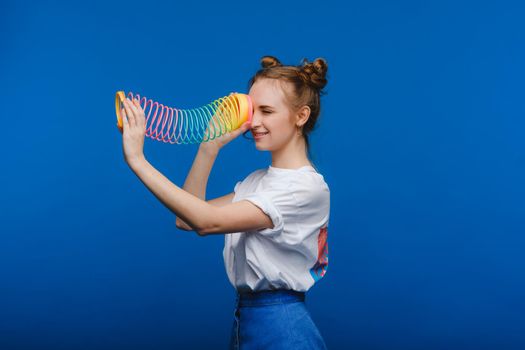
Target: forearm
x,y
197,178
193,210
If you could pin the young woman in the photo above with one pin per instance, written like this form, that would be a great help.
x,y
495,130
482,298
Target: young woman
x,y
275,221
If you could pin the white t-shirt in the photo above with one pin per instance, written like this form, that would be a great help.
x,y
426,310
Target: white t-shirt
x,y
294,253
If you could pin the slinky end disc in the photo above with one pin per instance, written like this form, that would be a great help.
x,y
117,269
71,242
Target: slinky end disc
x,y
119,98
245,107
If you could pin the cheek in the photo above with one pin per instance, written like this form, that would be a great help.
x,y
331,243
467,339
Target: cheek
x,y
279,125
280,135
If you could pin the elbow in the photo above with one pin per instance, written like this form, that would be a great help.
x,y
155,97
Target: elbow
x,y
181,225
205,225
204,231
208,228
210,223
201,233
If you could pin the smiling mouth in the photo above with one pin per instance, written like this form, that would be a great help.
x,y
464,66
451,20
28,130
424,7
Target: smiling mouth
x,y
259,134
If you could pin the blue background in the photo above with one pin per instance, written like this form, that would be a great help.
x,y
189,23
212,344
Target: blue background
x,y
420,140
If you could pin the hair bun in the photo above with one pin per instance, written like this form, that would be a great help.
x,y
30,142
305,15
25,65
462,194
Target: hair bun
x,y
315,72
270,61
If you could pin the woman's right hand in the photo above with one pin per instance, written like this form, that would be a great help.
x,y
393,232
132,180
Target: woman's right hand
x,y
218,142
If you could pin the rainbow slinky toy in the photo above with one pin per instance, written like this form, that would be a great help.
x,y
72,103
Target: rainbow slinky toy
x,y
197,125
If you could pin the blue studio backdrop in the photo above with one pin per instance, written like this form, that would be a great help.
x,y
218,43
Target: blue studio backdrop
x,y
420,140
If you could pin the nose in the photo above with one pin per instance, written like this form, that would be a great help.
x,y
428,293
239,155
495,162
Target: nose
x,y
256,120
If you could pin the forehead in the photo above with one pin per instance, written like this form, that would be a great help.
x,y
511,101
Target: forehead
x,y
267,92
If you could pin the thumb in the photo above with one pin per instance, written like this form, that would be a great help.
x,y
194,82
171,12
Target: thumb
x,y
246,126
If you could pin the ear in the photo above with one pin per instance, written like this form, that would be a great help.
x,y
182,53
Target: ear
x,y
302,116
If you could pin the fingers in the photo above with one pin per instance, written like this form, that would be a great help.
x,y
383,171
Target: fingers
x,y
245,126
125,121
140,113
130,113
135,112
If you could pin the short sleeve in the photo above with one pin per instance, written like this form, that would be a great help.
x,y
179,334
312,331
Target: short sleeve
x,y
289,204
236,188
272,204
242,186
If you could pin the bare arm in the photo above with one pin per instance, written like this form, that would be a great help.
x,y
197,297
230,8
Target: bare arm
x,y
218,202
201,216
197,179
191,208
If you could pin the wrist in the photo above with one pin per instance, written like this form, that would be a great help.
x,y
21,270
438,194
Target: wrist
x,y
137,162
209,151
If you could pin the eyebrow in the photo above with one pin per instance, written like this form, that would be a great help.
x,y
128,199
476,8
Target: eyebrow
x,y
265,106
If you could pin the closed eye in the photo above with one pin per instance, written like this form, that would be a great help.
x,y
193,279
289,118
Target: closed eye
x,y
266,112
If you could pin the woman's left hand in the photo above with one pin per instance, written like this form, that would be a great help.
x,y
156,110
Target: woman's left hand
x,y
134,129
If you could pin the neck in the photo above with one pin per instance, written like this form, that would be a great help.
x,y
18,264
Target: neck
x,y
292,155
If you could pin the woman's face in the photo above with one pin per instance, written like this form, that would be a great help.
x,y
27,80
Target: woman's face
x,y
271,115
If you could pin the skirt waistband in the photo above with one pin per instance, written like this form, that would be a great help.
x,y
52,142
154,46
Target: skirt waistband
x,y
269,297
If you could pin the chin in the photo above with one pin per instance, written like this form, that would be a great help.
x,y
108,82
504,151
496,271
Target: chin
x,y
260,148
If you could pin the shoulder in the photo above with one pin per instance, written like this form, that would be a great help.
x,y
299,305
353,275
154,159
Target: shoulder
x,y
256,174
301,188
253,178
310,187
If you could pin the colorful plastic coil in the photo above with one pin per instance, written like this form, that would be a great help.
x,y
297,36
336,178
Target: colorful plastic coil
x,y
190,126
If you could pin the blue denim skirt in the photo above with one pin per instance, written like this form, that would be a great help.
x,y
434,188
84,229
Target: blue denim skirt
x,y
274,319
